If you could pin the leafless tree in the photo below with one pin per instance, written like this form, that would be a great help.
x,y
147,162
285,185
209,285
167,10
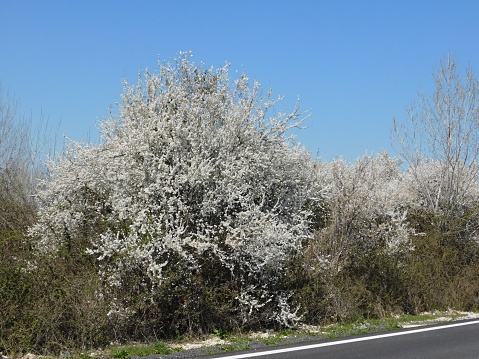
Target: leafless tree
x,y
440,140
20,165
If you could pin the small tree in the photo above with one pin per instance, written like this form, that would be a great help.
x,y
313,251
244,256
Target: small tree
x,y
18,169
356,255
440,141
367,201
193,168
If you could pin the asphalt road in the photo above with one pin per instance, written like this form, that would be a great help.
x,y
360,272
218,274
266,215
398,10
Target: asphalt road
x,y
456,340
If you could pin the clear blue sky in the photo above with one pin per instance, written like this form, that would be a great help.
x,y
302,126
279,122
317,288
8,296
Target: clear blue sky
x,y
354,64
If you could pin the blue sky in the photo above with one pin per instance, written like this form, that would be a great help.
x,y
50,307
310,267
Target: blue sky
x,y
354,64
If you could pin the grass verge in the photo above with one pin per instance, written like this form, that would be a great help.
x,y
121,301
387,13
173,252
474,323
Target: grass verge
x,y
222,342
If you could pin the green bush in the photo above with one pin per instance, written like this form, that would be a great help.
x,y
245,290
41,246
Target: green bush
x,y
47,304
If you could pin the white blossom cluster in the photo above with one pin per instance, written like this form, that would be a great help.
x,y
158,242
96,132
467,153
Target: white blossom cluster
x,y
448,194
193,165
443,188
368,203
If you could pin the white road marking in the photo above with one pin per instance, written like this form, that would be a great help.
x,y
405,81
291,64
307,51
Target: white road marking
x,y
346,341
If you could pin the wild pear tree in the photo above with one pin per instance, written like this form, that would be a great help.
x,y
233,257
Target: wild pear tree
x,y
194,166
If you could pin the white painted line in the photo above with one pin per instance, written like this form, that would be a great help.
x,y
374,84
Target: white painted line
x,y
346,341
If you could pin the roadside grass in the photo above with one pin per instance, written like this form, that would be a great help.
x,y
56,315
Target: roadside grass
x,y
221,341
359,327
425,317
141,350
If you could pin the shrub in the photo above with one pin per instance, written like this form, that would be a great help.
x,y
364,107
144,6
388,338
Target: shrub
x,y
194,173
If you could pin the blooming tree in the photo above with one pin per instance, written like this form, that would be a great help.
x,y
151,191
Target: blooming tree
x,y
444,197
194,165
440,141
367,201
